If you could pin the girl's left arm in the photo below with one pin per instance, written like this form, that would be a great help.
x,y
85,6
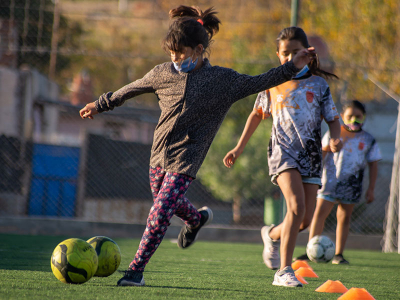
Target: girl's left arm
x,y
373,174
334,129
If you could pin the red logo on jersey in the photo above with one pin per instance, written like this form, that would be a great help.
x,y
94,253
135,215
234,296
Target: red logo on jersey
x,y
361,146
309,96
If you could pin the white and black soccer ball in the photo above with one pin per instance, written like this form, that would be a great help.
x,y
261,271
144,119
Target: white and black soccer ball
x,y
320,249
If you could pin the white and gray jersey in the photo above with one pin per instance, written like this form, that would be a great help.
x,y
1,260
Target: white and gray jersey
x,y
343,171
297,108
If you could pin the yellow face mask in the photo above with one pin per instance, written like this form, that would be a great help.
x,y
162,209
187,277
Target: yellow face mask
x,y
355,120
354,124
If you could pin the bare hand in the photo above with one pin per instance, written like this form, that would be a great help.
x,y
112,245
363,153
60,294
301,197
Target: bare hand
x,y
231,157
369,196
88,111
335,144
304,57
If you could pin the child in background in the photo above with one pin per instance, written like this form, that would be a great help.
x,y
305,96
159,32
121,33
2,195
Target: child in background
x,y
342,176
294,154
194,98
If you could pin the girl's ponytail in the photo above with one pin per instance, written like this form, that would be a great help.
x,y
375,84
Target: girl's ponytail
x,y
190,28
210,21
206,18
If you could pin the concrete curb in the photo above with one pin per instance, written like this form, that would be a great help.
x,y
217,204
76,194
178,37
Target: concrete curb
x,y
79,228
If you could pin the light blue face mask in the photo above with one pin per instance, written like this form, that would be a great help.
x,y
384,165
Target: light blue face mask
x,y
302,72
186,66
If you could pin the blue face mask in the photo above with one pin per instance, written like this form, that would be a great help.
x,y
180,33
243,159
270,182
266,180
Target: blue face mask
x,y
302,72
186,66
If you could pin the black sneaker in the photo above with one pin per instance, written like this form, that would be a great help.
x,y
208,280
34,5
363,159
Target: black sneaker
x,y
339,260
302,257
131,278
188,236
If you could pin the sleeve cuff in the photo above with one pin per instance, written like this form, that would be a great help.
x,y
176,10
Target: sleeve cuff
x,y
97,106
292,68
104,103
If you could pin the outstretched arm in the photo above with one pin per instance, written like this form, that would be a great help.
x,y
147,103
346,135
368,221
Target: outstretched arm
x,y
252,123
243,85
109,100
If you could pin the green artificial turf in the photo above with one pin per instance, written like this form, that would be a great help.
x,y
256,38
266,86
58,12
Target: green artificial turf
x,y
207,270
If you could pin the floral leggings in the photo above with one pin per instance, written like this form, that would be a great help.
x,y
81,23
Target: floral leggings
x,y
168,191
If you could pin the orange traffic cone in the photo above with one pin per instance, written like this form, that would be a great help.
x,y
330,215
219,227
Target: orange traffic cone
x,y
305,272
301,279
300,263
356,294
332,287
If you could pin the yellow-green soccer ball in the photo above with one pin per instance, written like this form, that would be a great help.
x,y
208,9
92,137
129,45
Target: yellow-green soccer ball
x,y
108,253
74,261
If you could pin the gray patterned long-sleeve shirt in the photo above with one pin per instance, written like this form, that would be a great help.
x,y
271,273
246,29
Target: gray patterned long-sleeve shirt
x,y
193,106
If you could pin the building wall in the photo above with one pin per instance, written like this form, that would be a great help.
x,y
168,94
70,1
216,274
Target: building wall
x,y
32,113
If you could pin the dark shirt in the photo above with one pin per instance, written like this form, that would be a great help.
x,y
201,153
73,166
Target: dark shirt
x,y
193,106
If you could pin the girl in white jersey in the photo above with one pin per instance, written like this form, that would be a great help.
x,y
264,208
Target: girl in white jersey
x,y
294,155
343,174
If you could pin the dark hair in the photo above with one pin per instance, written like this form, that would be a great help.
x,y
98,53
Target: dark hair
x,y
298,34
355,104
190,28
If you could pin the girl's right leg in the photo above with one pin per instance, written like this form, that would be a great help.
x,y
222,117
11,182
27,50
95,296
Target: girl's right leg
x,y
290,182
322,211
273,237
291,185
310,194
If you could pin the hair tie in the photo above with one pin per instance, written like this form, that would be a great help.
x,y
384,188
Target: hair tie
x,y
200,21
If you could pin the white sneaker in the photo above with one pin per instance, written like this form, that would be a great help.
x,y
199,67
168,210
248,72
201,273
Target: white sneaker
x,y
286,278
271,249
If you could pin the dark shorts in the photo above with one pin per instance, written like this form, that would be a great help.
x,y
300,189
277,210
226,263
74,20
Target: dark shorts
x,y
335,200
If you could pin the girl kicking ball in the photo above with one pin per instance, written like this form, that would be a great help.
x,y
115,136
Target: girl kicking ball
x,y
194,97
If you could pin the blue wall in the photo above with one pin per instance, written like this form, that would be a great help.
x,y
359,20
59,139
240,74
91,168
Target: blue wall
x,y
54,180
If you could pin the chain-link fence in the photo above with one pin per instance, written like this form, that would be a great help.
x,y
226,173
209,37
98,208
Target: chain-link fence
x,y
57,56
51,174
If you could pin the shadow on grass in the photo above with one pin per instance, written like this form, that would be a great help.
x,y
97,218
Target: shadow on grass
x,y
192,288
369,266
100,284
26,263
